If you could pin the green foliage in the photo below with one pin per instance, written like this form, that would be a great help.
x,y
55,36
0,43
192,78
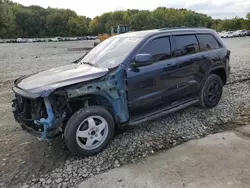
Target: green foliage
x,y
248,16
35,21
17,20
7,20
163,17
233,24
1,14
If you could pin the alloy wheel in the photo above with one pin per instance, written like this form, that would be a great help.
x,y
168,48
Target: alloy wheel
x,y
92,132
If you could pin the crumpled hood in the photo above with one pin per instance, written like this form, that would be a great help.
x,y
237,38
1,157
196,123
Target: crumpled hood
x,y
59,77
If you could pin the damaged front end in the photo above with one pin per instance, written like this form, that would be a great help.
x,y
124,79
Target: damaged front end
x,y
46,113
40,114
37,116
47,122
110,90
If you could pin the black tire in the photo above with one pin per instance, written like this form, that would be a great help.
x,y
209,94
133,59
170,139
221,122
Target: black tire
x,y
119,129
74,122
211,92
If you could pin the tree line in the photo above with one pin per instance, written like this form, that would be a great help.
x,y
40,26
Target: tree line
x,y
17,20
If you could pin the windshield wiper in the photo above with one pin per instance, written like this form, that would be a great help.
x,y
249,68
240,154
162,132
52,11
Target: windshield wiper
x,y
79,59
88,63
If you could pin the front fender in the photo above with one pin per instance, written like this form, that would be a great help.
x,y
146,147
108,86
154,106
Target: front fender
x,y
112,87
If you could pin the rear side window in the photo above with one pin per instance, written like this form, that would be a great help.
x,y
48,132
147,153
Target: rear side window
x,y
185,45
159,49
207,42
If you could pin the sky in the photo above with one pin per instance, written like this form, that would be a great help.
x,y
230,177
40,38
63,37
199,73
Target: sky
x,y
91,8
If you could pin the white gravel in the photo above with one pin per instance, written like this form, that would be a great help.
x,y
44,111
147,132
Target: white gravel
x,y
163,133
149,138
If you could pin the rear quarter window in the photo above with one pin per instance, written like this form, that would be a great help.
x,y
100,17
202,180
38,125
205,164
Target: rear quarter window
x,y
207,42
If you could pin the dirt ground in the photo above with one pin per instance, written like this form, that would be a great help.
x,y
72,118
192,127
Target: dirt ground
x,y
22,156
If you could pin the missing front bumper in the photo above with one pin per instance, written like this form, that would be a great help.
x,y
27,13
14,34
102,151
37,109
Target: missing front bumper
x,y
35,116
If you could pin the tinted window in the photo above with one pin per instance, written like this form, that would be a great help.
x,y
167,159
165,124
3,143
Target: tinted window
x,y
186,44
207,42
159,49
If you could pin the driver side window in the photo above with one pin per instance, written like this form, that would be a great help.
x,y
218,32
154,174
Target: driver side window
x,y
159,48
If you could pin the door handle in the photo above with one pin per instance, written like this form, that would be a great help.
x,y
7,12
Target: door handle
x,y
204,56
167,67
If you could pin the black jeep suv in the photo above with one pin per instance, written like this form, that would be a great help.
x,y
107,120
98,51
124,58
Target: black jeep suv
x,y
125,80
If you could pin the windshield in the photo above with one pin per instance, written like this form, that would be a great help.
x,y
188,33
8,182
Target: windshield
x,y
111,52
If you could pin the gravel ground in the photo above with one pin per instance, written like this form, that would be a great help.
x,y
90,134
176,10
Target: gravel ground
x,y
29,163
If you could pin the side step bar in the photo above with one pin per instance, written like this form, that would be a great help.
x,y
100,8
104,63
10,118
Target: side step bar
x,y
162,112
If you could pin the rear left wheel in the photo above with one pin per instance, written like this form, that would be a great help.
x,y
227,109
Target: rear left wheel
x,y
211,92
89,131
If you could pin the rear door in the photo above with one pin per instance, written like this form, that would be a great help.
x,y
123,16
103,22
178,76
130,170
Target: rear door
x,y
155,84
189,62
210,49
196,54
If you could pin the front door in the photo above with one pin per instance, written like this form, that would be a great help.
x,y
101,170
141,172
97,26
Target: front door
x,y
155,84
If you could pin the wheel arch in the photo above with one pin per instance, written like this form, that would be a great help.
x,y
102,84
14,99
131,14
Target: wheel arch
x,y
110,90
98,100
221,72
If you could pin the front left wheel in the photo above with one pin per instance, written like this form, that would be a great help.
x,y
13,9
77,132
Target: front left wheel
x,y
89,131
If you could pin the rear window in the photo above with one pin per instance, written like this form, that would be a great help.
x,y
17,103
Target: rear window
x,y
207,42
186,44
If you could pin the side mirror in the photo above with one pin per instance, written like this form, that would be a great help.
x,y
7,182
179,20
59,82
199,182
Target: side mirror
x,y
142,60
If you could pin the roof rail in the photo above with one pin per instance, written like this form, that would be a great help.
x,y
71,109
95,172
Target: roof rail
x,y
183,27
